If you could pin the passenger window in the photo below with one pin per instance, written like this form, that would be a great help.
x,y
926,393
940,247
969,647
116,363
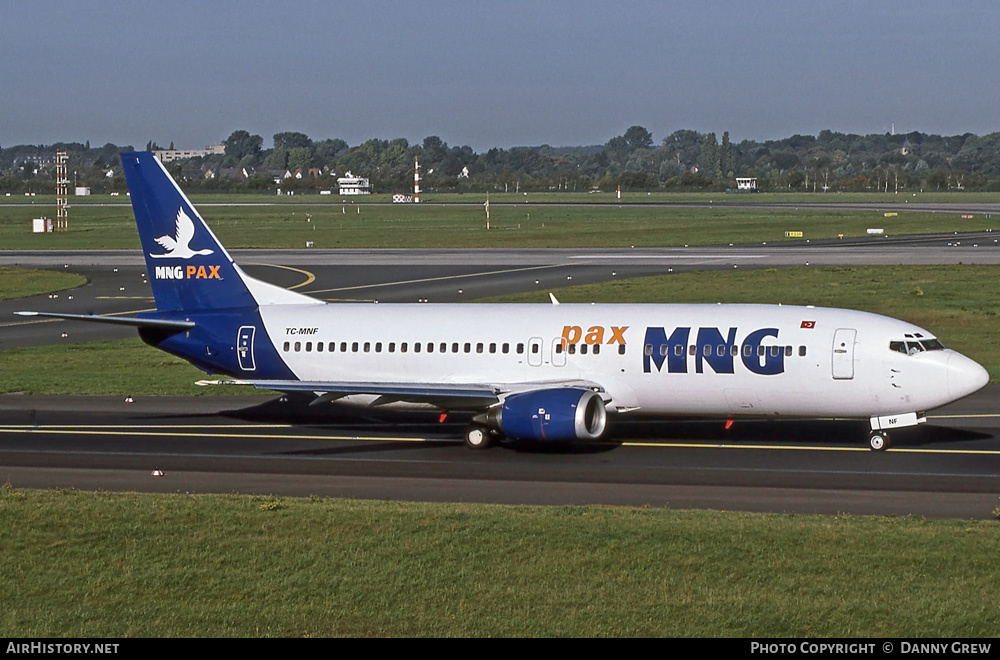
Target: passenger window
x,y
647,349
309,347
378,347
454,347
493,347
747,350
392,347
479,347
443,348
468,347
559,349
597,349
298,346
693,350
520,349
534,349
416,347
286,346
402,347
788,351
343,347
583,349
332,347
354,347
368,346
319,346
802,351
621,349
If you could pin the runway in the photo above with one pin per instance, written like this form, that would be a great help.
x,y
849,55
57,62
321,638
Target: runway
x,y
948,468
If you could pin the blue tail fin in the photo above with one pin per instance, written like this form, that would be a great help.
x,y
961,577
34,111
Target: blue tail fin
x,y
189,269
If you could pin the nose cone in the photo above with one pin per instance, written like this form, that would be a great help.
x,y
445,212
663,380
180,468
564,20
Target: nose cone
x,y
965,376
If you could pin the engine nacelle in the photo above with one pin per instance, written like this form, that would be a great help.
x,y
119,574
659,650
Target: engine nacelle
x,y
558,414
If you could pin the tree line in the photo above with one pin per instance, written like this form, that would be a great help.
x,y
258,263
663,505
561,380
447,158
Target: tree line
x,y
683,160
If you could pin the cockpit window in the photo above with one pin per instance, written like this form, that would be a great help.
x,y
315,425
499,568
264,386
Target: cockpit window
x,y
913,346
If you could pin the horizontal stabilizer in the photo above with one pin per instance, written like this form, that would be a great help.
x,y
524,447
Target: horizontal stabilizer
x,y
117,320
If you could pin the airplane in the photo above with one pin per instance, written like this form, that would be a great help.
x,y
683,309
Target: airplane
x,y
526,372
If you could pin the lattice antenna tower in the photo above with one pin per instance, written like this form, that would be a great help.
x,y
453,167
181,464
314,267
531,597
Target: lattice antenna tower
x,y
62,181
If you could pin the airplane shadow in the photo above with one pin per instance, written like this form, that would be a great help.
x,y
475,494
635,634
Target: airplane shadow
x,y
786,431
295,410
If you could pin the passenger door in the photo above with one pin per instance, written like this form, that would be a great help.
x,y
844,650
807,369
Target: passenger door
x,y
843,353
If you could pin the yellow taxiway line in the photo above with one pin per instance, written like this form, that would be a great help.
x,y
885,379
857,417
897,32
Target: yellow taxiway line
x,y
180,432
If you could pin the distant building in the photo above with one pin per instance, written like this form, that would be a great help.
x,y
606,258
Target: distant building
x,y
167,155
353,185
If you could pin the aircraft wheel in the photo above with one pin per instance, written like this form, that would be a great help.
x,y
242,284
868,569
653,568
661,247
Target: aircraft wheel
x,y
478,437
879,441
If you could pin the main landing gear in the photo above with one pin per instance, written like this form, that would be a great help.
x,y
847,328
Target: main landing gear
x,y
478,436
878,441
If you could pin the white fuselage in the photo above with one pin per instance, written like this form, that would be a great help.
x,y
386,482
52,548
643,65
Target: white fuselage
x,y
662,359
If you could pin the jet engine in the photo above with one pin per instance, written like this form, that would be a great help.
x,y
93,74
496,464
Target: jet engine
x,y
556,414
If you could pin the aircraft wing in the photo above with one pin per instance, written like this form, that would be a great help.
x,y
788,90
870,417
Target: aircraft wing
x,y
472,396
466,396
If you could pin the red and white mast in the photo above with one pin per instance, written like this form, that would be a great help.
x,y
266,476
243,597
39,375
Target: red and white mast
x,y
416,181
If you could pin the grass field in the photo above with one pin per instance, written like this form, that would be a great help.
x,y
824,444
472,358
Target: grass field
x,y
22,282
118,366
127,565
364,225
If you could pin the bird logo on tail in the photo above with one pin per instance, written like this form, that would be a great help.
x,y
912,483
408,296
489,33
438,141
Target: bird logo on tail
x,y
179,246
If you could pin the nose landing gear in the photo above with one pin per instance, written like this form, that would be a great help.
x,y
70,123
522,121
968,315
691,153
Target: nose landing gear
x,y
878,441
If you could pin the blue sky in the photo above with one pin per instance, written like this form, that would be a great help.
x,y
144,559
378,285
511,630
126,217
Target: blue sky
x,y
500,73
